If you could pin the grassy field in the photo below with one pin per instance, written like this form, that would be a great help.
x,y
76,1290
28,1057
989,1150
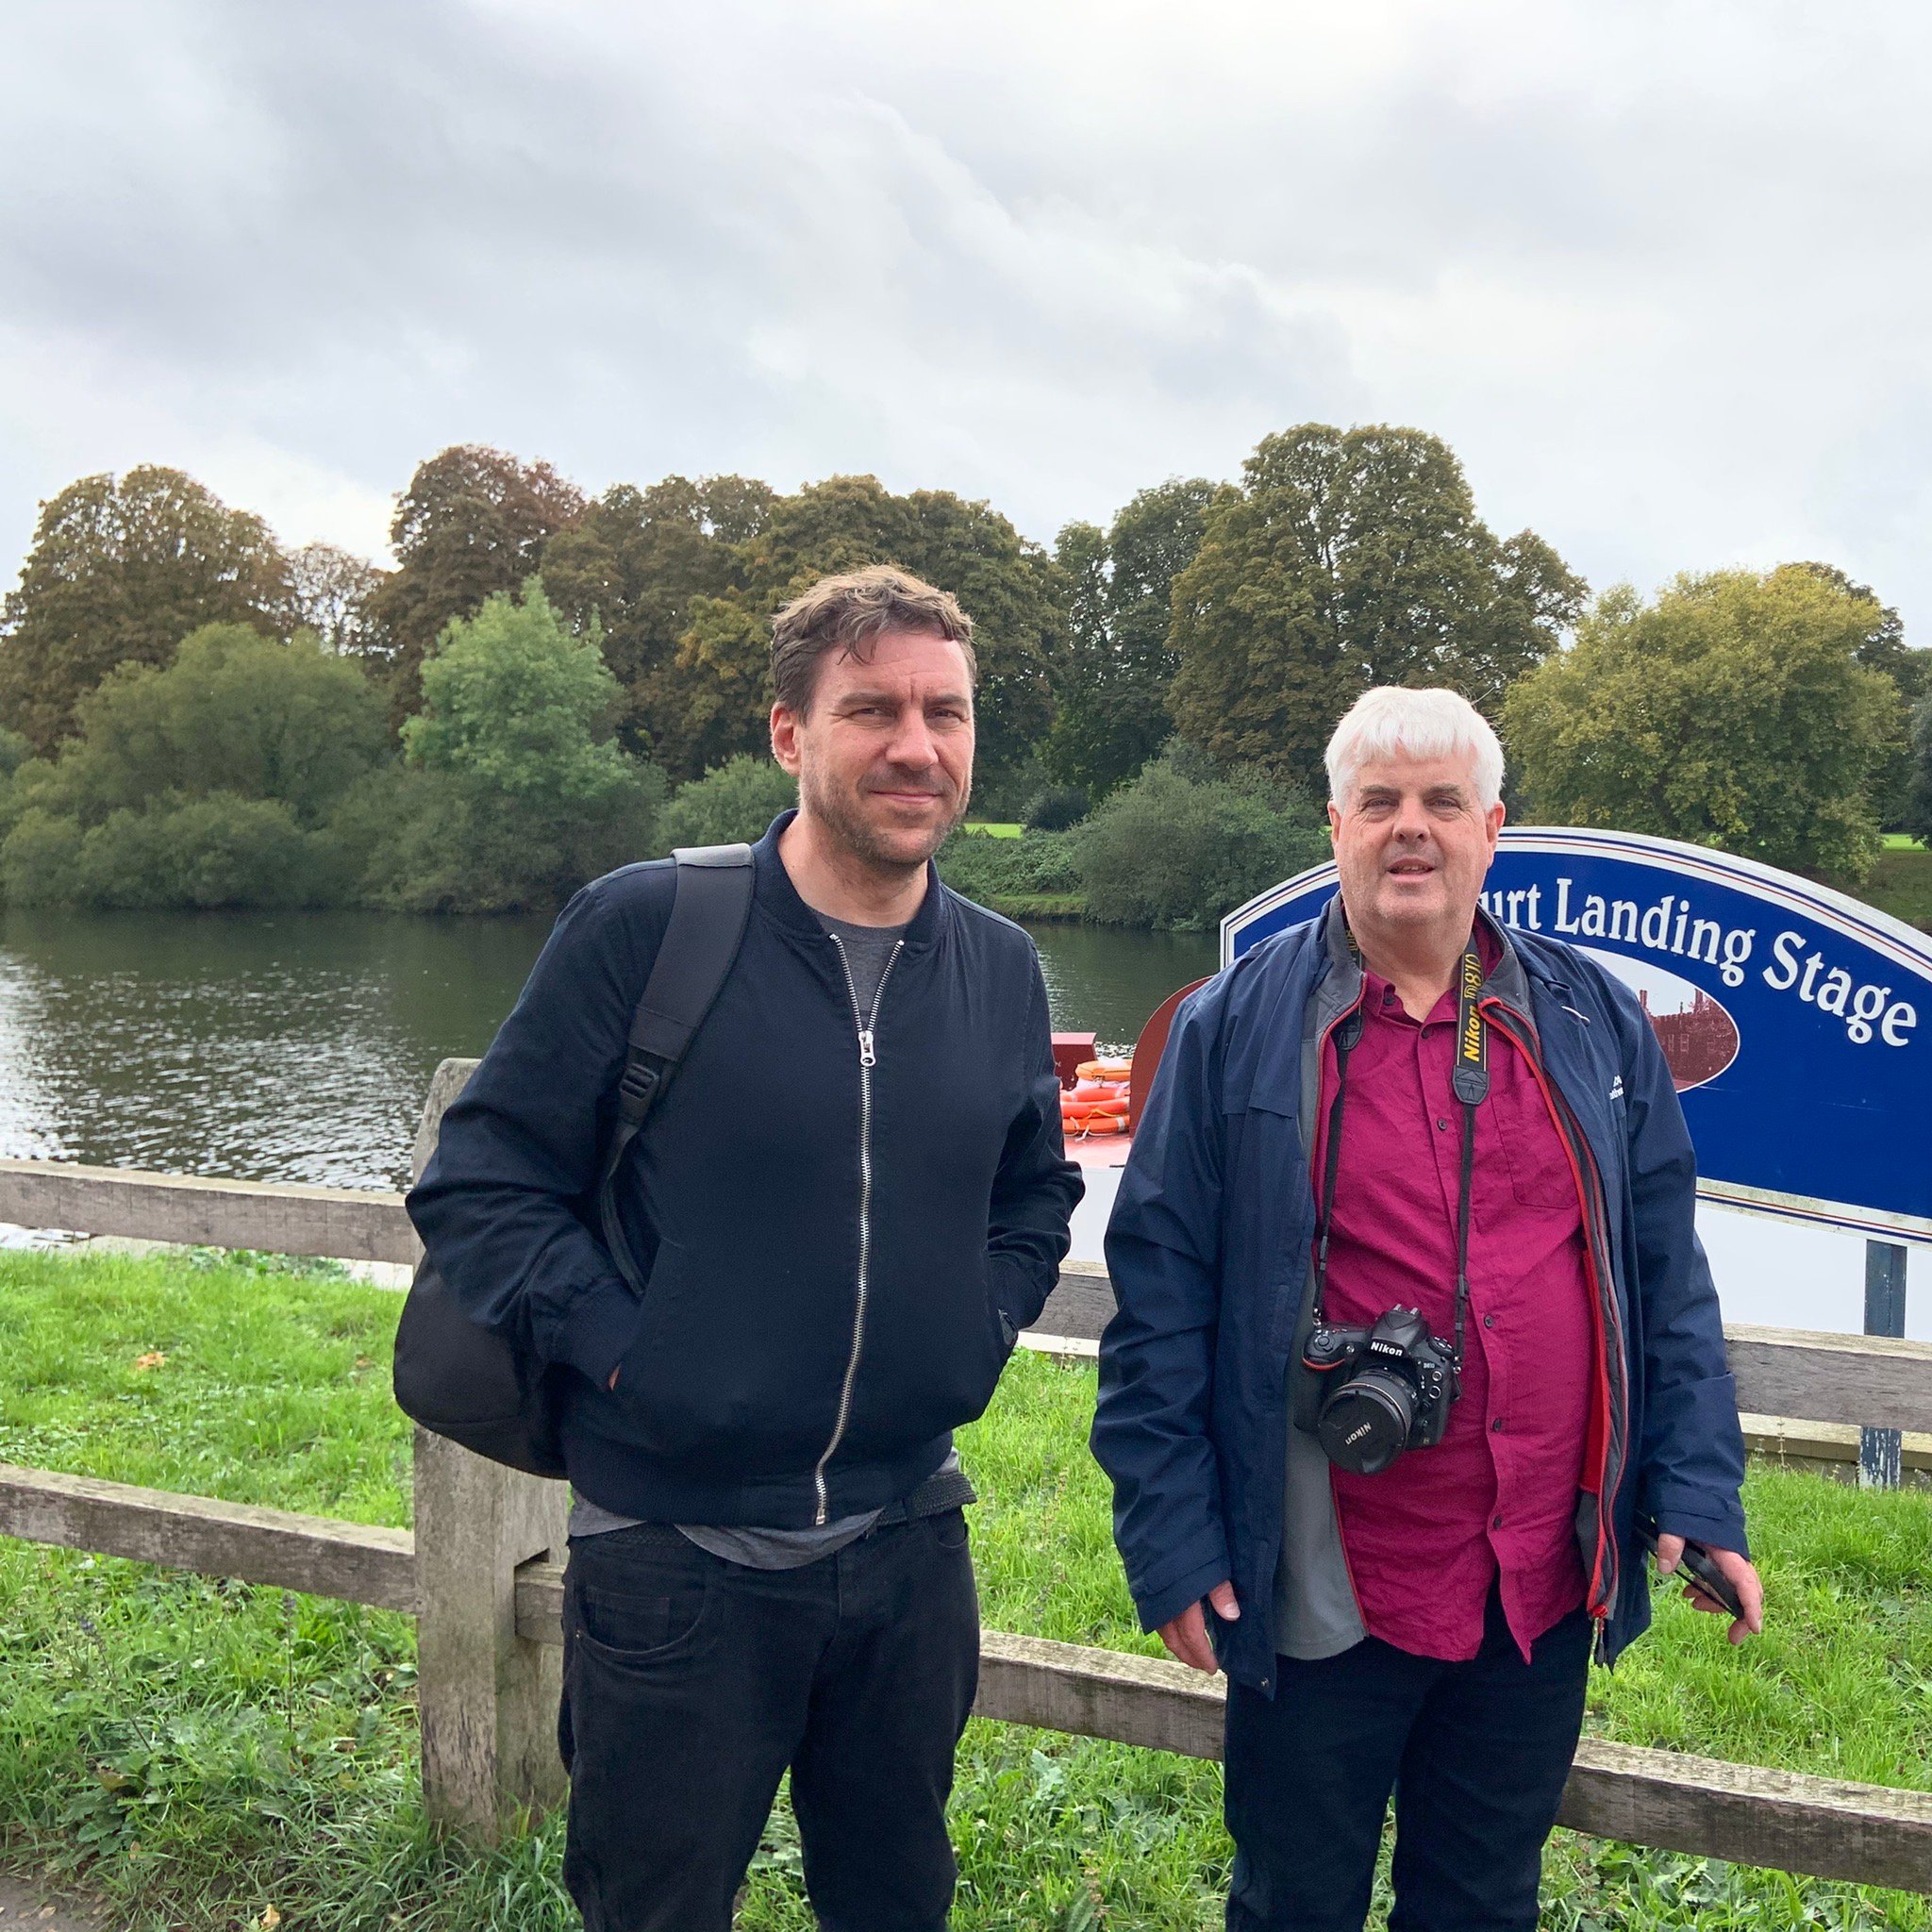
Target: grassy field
x,y
1901,884
200,1752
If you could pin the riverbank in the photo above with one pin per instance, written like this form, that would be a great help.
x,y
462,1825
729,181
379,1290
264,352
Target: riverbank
x,y
198,1752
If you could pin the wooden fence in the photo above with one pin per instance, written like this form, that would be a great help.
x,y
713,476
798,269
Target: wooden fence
x,y
479,1573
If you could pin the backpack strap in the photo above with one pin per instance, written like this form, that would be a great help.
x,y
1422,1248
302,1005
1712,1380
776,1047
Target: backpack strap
x,y
708,919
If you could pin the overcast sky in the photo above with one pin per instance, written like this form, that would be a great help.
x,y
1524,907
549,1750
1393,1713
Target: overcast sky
x,y
1660,273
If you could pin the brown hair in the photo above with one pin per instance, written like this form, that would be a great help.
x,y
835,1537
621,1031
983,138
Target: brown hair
x,y
847,613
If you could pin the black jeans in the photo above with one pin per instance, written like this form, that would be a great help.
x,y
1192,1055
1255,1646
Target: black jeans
x,y
691,1685
1477,1753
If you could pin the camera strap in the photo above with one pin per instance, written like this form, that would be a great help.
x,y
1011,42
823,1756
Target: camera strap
x,y
1470,1082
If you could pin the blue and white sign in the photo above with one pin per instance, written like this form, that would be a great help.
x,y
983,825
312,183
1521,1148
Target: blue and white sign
x,y
1797,1023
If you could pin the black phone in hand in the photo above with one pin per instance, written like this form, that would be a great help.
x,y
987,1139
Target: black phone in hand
x,y
1696,1566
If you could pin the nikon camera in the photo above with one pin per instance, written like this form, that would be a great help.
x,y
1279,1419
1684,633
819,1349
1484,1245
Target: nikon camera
x,y
1367,1395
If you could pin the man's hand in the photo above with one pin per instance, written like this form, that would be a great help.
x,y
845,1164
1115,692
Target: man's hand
x,y
1737,1573
1186,1636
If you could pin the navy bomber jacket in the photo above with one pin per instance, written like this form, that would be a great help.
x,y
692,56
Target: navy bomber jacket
x,y
1209,1250
841,1237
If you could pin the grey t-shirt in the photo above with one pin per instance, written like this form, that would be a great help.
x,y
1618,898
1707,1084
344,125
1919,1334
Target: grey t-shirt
x,y
868,951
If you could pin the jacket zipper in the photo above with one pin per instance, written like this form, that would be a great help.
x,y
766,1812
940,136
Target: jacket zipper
x,y
866,1025
1604,1578
1316,1149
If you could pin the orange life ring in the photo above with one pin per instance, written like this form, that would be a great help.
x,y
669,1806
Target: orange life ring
x,y
1099,1089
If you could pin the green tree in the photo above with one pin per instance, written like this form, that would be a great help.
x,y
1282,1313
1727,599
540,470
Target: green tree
x,y
331,591
1011,587
735,802
515,792
206,783
1120,661
1345,560
1885,649
235,713
1732,712
474,522
120,571
1918,812
633,563
1185,842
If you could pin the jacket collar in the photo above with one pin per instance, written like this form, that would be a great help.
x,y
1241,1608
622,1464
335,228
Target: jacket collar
x,y
1507,980
779,897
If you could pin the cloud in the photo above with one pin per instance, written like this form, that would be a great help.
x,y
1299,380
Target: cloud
x,y
1654,271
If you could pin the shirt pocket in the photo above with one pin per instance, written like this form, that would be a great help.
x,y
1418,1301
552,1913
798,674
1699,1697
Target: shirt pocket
x,y
1539,1163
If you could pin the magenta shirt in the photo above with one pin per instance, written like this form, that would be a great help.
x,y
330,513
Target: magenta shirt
x,y
1497,1497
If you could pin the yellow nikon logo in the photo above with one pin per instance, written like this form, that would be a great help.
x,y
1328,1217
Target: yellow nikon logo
x,y
1472,1037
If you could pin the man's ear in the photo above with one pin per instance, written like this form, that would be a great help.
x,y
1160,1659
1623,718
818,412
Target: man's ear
x,y
785,724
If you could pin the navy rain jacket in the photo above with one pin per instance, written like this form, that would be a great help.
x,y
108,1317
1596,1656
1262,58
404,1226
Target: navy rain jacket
x,y
1209,1249
841,1237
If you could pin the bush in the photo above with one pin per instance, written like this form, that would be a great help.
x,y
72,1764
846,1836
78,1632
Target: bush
x,y
196,785
987,869
414,840
733,803
235,713
1183,844
39,860
220,850
1056,809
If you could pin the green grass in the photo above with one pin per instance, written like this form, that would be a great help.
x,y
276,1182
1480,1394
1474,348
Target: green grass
x,y
991,829
1037,905
1900,883
197,1749
1902,841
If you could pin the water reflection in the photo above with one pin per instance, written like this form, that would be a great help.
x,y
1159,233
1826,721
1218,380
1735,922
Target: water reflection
x,y
1102,980
264,1046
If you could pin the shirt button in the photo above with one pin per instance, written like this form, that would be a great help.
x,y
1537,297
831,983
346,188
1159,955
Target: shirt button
x,y
1489,1321
1496,1520
1497,1426
1443,1126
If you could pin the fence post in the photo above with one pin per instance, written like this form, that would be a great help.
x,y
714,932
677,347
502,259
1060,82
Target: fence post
x,y
1880,1450
486,1698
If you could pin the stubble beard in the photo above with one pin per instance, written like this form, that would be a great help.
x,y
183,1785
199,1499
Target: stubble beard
x,y
839,814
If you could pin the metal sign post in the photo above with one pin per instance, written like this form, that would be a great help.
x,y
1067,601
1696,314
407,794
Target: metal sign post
x,y
1885,1314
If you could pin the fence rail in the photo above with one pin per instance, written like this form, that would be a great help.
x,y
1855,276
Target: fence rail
x,y
1863,1380
478,1577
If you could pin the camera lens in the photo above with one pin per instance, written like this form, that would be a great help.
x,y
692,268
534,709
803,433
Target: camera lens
x,y
1365,1425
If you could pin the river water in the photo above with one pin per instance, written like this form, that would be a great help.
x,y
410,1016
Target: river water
x,y
297,1046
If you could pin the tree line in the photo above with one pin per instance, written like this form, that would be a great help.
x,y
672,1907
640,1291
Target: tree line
x,y
546,683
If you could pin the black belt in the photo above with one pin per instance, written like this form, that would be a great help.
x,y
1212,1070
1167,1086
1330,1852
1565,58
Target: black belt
x,y
950,1489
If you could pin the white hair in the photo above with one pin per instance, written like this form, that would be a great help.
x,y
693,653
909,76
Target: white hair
x,y
1432,723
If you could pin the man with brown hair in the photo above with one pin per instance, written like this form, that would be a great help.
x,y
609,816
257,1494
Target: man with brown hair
x,y
769,1565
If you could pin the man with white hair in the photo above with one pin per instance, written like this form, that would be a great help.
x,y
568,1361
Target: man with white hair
x,y
1415,1344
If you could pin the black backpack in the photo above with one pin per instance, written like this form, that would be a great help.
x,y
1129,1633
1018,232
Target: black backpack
x,y
464,1381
